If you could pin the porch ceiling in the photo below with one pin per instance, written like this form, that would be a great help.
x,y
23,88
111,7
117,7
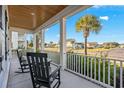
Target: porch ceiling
x,y
32,16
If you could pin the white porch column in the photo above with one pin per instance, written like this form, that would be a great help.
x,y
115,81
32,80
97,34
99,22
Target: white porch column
x,y
10,43
25,40
63,42
42,39
34,42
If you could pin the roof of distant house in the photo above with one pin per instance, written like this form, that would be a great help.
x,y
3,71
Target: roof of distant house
x,y
71,40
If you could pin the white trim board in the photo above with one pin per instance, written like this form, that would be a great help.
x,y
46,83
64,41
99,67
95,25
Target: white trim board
x,y
4,75
68,11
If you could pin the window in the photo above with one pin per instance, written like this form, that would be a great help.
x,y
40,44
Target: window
x,y
29,41
0,38
52,38
6,36
0,16
0,53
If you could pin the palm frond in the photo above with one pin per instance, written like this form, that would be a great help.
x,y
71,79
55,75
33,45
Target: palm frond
x,y
88,23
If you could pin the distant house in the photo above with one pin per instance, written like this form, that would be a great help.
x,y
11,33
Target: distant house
x,y
51,45
70,43
99,46
79,45
121,45
110,44
92,44
55,45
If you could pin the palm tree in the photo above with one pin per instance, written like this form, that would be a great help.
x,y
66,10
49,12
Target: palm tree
x,y
87,24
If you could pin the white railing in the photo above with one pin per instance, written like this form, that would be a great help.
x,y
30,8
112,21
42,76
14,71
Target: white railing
x,y
104,71
54,56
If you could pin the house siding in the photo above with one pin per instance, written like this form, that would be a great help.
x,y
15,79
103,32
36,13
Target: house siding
x,y
5,63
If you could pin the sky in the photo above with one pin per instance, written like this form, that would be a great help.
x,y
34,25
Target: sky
x,y
111,18
29,37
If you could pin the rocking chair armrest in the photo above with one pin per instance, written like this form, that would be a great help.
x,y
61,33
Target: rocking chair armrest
x,y
55,71
23,60
49,60
54,64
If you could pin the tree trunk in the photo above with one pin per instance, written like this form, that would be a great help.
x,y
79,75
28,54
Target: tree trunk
x,y
85,46
36,43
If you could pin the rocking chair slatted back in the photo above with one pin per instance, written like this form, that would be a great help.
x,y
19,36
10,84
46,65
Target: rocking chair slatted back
x,y
39,67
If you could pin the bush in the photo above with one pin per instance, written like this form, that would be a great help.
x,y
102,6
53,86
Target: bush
x,y
38,50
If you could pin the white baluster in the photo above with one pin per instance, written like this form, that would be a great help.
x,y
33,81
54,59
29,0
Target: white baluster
x,y
99,69
91,67
114,73
69,61
121,75
109,71
104,70
74,63
87,66
84,65
81,64
95,68
72,58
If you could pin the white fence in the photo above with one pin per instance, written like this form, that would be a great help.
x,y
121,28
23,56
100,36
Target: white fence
x,y
104,71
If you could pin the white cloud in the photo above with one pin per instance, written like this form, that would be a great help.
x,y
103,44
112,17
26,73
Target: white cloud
x,y
98,6
104,18
46,29
57,35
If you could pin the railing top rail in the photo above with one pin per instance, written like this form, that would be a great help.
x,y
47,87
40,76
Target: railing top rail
x,y
107,58
51,51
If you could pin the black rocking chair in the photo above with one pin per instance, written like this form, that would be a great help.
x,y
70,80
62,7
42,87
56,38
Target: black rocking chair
x,y
40,71
24,67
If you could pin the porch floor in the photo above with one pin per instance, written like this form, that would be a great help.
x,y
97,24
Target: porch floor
x,y
68,80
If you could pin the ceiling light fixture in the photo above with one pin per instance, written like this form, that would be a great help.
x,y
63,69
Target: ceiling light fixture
x,y
32,13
